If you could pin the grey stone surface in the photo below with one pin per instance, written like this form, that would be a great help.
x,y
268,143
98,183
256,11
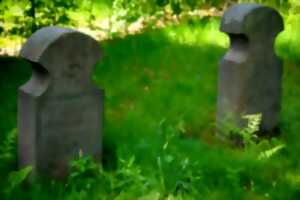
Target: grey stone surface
x,y
60,111
250,72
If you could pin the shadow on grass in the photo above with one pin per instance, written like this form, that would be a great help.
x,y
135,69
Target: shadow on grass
x,y
13,73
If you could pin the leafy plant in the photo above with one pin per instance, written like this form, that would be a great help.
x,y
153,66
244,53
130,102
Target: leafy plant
x,y
129,175
248,133
270,152
16,178
85,173
8,150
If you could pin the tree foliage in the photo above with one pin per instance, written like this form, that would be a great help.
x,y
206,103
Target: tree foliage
x,y
23,17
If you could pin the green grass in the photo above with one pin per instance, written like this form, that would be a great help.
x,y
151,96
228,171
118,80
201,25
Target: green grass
x,y
159,138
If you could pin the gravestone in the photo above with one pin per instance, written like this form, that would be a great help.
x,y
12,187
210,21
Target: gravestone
x,y
60,111
250,73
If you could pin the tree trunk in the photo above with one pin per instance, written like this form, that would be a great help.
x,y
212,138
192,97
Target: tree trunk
x,y
32,15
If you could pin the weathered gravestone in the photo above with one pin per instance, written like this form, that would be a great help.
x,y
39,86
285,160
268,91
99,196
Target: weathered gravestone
x,y
60,111
250,72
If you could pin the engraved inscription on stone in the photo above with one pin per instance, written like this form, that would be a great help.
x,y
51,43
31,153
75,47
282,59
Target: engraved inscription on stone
x,y
60,111
250,72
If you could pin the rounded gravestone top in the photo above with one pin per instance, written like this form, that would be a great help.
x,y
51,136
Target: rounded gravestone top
x,y
40,41
55,47
251,19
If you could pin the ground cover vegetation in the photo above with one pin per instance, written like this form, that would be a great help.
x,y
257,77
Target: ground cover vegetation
x,y
159,140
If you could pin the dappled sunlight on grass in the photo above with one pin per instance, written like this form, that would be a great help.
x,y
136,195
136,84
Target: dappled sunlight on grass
x,y
164,80
287,43
192,35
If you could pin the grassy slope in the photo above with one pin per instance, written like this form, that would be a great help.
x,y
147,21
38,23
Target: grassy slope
x,y
160,107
